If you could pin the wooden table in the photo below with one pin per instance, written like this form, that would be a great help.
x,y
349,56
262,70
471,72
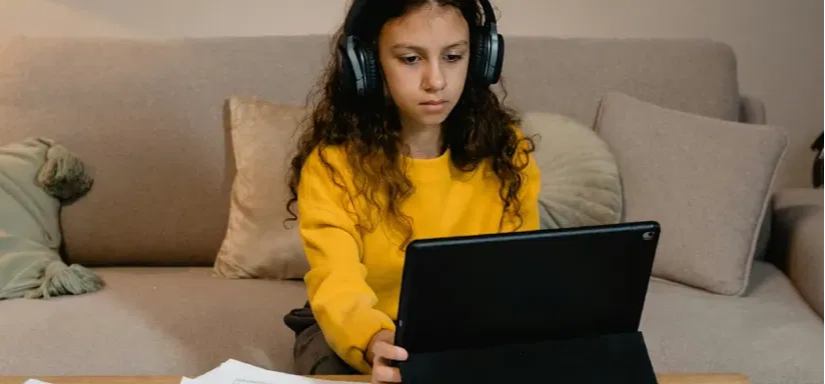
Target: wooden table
x,y
663,379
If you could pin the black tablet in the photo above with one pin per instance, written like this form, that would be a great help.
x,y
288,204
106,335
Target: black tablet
x,y
499,289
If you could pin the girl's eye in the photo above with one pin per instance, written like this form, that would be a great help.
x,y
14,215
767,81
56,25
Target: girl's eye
x,y
453,58
409,59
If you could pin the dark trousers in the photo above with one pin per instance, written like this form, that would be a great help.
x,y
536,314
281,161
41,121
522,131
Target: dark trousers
x,y
312,354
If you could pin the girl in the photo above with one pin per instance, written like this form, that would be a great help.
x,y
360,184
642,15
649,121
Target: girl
x,y
408,141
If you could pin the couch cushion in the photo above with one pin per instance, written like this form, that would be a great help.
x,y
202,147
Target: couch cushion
x,y
176,321
707,181
147,115
796,241
182,321
770,334
569,75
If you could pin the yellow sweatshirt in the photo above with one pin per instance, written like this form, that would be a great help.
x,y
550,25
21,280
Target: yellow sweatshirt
x,y
354,280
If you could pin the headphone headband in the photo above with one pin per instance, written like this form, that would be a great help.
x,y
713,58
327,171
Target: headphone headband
x,y
489,15
358,6
354,11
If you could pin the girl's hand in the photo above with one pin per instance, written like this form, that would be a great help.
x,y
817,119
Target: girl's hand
x,y
381,352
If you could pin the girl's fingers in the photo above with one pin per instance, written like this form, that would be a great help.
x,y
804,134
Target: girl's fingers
x,y
383,373
389,351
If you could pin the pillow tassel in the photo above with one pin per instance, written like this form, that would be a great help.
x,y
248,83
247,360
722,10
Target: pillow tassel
x,y
64,175
60,279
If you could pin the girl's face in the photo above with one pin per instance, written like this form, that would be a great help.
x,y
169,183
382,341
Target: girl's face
x,y
424,55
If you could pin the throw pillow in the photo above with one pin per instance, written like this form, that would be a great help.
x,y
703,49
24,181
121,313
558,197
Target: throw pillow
x,y
257,244
580,183
37,176
707,181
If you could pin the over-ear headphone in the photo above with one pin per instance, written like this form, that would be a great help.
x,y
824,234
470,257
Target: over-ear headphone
x,y
359,60
489,48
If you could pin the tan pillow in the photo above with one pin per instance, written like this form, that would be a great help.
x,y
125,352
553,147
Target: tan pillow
x,y
580,183
257,244
707,182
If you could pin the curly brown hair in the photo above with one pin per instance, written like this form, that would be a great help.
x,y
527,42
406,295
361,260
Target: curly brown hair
x,y
480,128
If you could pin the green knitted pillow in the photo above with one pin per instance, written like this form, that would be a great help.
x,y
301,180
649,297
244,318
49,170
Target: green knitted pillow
x,y
580,183
37,176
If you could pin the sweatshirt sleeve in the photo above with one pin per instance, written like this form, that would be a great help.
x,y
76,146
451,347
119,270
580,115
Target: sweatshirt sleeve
x,y
341,301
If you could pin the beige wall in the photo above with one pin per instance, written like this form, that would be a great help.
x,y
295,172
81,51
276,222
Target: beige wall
x,y
778,43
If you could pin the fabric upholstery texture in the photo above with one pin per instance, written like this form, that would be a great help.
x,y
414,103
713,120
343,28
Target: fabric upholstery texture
x,y
171,321
579,177
258,242
569,75
797,244
183,321
706,181
770,334
752,110
147,115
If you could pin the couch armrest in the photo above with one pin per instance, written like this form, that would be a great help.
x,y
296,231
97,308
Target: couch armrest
x,y
751,110
796,241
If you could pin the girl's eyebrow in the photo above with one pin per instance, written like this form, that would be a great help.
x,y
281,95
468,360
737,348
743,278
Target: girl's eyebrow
x,y
457,44
461,43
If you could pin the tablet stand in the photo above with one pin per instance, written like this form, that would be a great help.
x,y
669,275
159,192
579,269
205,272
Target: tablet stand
x,y
608,359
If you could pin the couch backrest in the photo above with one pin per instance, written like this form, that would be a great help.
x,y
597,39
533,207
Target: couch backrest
x,y
147,115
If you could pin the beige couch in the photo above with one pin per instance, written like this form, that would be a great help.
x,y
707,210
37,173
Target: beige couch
x,y
147,115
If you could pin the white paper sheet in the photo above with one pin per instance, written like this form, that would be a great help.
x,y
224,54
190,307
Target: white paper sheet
x,y
237,372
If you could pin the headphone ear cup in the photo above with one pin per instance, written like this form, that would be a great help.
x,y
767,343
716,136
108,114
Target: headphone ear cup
x,y
348,74
480,55
498,63
359,66
352,65
370,65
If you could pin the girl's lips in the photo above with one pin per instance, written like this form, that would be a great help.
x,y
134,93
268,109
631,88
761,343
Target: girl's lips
x,y
433,106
